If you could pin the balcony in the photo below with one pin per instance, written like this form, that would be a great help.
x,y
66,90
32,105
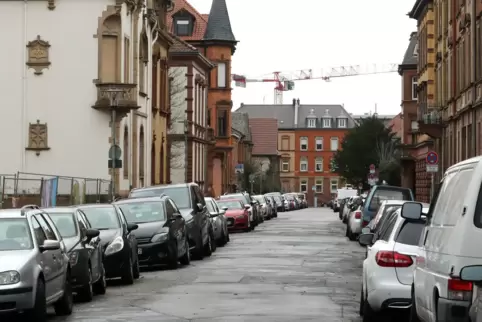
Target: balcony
x,y
430,120
120,97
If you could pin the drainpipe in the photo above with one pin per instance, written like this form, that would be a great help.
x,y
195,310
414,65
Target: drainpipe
x,y
473,75
23,115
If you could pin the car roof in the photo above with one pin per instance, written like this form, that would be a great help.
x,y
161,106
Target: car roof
x,y
136,200
230,199
394,202
15,213
93,205
208,198
177,185
57,210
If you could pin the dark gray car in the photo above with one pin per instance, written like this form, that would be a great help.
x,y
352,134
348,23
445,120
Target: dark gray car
x,y
190,201
219,222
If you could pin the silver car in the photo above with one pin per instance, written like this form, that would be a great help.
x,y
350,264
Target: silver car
x,y
34,270
219,222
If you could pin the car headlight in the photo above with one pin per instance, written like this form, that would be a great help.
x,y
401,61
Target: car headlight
x,y
159,238
9,277
73,258
115,246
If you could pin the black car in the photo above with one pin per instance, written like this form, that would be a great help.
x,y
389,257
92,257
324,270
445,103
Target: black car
x,y
274,204
190,201
161,233
84,247
118,242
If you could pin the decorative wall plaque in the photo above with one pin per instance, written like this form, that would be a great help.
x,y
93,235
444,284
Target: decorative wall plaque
x,y
38,55
37,137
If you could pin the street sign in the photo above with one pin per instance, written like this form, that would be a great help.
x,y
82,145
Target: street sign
x,y
432,168
372,168
239,169
115,152
252,177
432,158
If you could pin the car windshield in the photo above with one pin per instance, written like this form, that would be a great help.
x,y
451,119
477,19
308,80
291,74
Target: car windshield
x,y
277,199
180,195
411,232
382,194
102,218
65,223
239,196
14,234
142,212
230,204
301,196
260,199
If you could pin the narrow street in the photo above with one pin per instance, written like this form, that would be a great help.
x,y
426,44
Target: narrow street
x,y
297,267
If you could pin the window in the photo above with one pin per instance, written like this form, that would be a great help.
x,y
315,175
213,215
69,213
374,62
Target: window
x,y
410,233
182,27
304,186
49,233
285,165
414,88
221,75
304,143
319,143
222,123
319,164
386,233
319,185
39,233
333,185
415,51
334,144
341,122
169,210
303,164
326,123
312,123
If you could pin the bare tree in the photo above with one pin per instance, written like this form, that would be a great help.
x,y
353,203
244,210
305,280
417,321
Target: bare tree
x,y
177,93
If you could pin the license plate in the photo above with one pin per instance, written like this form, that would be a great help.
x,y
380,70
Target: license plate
x,y
139,251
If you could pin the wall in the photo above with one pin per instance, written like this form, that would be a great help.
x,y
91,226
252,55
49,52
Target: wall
x,y
409,106
286,148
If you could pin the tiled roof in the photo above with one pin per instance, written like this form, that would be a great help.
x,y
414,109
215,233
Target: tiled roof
x,y
219,24
409,58
200,24
240,122
265,136
180,46
285,114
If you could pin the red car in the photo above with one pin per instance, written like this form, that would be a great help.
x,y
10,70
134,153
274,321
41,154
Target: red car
x,y
236,214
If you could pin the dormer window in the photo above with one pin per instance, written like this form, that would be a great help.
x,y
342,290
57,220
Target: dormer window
x,y
326,123
183,24
311,123
341,122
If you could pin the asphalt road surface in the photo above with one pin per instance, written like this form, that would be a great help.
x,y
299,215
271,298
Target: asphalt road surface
x,y
297,267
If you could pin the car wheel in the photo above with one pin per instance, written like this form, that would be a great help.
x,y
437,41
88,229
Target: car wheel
x,y
173,260
347,233
86,292
208,248
351,236
199,251
222,240
128,273
39,311
65,304
186,258
368,314
214,246
362,302
413,310
227,236
100,287
137,269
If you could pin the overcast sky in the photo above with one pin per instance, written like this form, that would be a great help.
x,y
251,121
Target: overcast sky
x,y
282,35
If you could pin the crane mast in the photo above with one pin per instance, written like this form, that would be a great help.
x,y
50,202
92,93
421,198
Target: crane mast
x,y
285,81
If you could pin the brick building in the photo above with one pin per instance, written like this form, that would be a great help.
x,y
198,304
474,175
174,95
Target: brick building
x,y
308,136
242,142
213,37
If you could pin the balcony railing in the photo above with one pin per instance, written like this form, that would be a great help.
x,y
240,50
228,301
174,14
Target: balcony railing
x,y
429,114
119,96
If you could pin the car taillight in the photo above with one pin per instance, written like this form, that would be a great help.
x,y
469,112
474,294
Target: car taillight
x,y
393,259
358,214
459,290
365,223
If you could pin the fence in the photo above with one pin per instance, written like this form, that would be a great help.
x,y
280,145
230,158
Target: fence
x,y
24,188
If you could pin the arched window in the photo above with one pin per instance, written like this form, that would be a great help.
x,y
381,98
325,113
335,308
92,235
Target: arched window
x,y
110,49
142,63
125,153
141,156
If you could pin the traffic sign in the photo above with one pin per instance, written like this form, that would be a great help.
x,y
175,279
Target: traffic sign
x,y
239,169
372,168
432,158
432,168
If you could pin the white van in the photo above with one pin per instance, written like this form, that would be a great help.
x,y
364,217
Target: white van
x,y
450,240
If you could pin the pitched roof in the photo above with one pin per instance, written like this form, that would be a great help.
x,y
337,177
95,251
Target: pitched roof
x,y
410,59
180,46
285,114
240,122
200,23
219,24
265,136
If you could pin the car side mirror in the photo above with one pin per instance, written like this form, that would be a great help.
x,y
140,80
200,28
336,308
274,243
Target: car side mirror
x,y
200,207
91,234
412,210
366,239
225,208
471,273
247,207
131,227
49,245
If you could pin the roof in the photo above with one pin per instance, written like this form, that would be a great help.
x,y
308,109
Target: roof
x,y
12,213
57,210
180,46
410,59
240,122
144,199
285,114
265,136
200,23
219,24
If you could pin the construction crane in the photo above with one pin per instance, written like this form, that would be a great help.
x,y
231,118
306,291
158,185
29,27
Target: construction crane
x,y
285,81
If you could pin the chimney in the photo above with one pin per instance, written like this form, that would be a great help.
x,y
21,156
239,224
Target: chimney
x,y
296,104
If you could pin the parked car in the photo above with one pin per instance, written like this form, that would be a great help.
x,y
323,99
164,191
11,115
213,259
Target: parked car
x,y
473,274
219,222
347,208
85,251
266,209
291,200
385,207
354,223
31,244
274,205
189,199
161,234
118,242
303,202
237,214
255,217
450,241
388,269
280,202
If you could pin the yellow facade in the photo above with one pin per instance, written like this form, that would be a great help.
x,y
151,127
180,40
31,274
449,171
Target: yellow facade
x,y
426,32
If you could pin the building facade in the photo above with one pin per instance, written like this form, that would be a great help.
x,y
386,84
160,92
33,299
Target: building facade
x,y
112,72
310,135
188,139
213,37
242,144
